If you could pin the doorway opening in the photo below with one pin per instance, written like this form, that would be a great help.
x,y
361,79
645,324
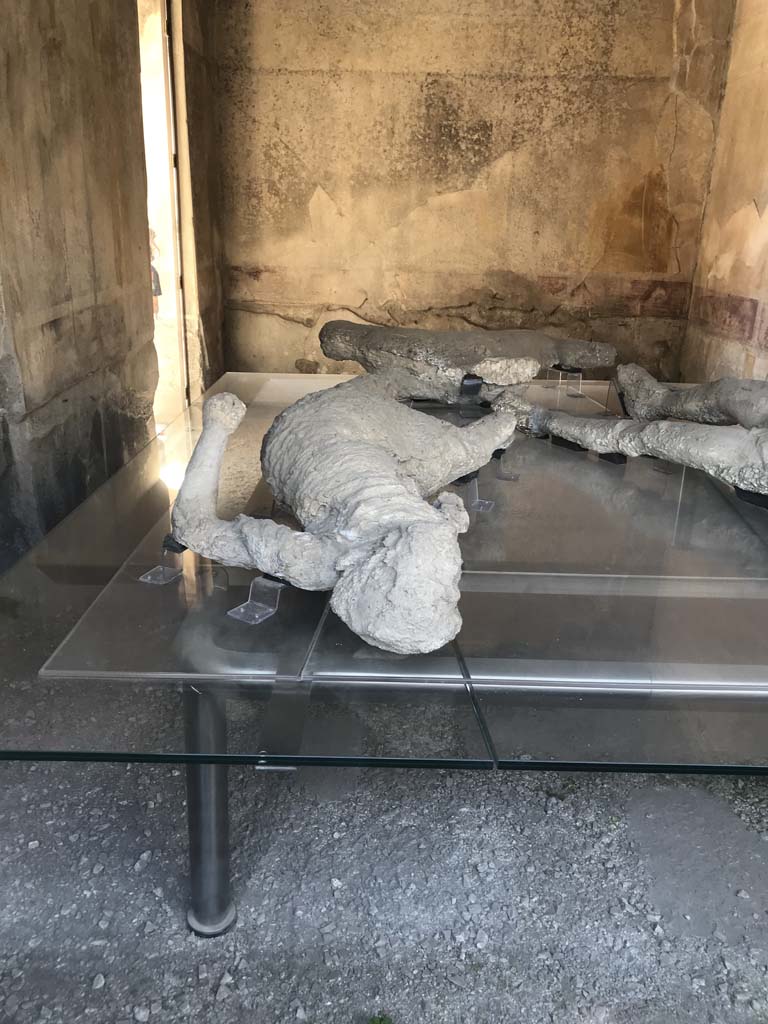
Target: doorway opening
x,y
162,210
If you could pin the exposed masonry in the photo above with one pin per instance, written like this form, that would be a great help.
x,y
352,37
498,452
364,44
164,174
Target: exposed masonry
x,y
727,333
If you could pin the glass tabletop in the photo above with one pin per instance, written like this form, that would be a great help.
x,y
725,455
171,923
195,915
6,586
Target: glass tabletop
x,y
612,616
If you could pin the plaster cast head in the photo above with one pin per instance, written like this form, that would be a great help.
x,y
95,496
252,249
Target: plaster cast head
x,y
402,594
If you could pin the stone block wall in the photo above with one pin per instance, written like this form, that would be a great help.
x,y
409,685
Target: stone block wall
x,y
728,330
463,163
77,366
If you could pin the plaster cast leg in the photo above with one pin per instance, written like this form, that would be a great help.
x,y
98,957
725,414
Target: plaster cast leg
x,y
469,448
401,385
431,451
300,558
732,454
723,402
199,492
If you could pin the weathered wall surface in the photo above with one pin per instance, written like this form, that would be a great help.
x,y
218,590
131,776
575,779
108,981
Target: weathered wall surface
x,y
77,364
493,163
728,330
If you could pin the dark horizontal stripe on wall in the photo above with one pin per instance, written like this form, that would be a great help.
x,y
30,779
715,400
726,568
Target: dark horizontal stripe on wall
x,y
252,287
735,316
619,295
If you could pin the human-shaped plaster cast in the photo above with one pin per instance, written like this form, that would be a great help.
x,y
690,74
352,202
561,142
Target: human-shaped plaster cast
x,y
356,467
729,401
733,454
499,358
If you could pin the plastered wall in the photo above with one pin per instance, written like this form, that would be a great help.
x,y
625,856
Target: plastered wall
x,y
462,163
728,330
77,365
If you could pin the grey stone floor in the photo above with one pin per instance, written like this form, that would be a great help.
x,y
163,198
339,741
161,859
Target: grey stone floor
x,y
427,896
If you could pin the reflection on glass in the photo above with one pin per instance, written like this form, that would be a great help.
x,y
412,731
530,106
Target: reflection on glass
x,y
611,612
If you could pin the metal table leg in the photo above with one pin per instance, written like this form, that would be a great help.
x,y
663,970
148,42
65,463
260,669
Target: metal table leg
x,y
212,911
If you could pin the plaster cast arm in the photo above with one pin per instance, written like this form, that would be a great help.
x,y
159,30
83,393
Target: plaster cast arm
x,y
721,402
300,558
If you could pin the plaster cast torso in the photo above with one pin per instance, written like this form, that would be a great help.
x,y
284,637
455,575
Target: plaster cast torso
x,y
354,460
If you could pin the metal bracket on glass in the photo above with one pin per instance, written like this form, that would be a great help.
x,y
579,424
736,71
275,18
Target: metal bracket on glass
x,y
219,577
501,472
469,397
473,500
170,569
263,599
573,384
571,376
476,503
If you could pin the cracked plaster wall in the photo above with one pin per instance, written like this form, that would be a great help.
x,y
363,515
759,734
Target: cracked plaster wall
x,y
728,330
77,366
493,163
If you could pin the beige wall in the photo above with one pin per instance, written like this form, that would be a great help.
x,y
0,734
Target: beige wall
x,y
77,365
465,162
728,332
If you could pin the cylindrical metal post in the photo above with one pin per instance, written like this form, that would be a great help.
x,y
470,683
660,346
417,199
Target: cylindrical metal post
x,y
212,910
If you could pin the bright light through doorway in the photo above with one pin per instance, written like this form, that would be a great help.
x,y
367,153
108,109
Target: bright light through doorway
x,y
163,274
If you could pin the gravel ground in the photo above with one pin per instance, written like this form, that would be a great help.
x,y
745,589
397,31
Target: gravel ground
x,y
426,896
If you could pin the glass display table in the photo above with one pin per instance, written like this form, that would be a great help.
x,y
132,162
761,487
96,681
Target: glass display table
x,y
614,619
